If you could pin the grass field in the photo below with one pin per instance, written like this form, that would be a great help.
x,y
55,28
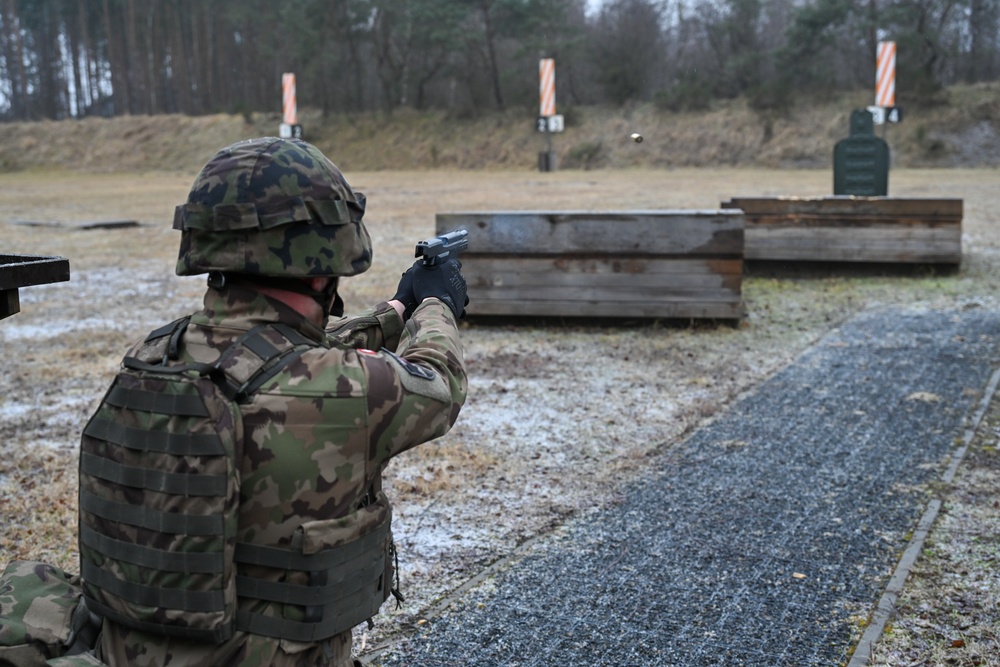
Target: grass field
x,y
59,353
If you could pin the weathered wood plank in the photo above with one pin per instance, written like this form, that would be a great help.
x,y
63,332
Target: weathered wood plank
x,y
658,309
709,233
881,207
790,251
687,285
852,229
619,264
874,239
590,294
541,272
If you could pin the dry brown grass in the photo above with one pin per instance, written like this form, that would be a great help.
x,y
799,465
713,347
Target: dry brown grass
x,y
959,133
463,501
38,506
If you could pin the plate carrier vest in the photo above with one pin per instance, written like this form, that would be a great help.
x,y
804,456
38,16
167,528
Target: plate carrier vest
x,y
159,500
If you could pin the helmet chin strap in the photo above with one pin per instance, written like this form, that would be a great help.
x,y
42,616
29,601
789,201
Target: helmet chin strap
x,y
334,304
327,298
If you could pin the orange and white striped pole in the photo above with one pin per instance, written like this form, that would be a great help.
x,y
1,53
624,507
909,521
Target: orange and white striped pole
x,y
288,98
885,75
547,87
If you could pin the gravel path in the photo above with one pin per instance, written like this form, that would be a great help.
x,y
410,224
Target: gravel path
x,y
765,539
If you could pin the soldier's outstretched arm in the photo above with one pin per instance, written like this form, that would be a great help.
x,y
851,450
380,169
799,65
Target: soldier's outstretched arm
x,y
373,329
380,327
415,393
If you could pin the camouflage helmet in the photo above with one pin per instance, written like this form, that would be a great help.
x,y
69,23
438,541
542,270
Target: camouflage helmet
x,y
272,207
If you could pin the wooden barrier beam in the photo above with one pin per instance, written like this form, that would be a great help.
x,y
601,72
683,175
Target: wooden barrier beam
x,y
852,229
616,264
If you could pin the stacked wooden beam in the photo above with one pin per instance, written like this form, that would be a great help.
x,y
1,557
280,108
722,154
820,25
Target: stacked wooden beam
x,y
616,264
852,229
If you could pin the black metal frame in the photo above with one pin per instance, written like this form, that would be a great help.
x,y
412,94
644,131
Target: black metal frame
x,y
17,271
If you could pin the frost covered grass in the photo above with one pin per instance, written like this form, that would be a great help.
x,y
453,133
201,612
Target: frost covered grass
x,y
949,612
558,416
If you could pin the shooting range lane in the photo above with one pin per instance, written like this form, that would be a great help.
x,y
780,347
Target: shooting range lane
x,y
765,538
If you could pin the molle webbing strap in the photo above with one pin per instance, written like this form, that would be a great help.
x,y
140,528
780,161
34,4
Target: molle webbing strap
x,y
151,401
356,579
295,338
154,559
328,559
273,359
144,517
153,596
140,365
346,590
176,483
168,329
174,343
214,636
176,444
338,617
259,346
168,349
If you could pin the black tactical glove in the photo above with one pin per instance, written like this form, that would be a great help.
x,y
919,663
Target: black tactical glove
x,y
404,292
444,282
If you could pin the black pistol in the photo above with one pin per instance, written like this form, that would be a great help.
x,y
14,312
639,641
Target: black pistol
x,y
439,249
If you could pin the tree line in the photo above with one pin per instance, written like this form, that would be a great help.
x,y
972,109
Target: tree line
x,y
75,58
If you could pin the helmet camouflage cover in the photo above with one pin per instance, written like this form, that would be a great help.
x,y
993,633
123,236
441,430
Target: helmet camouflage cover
x,y
272,207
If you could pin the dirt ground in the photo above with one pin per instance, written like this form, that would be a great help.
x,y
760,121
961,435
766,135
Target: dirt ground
x,y
557,416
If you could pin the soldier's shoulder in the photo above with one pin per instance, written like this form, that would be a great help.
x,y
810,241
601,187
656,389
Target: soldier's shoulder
x,y
321,371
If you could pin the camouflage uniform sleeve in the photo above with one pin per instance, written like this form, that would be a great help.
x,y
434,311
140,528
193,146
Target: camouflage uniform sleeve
x,y
416,392
374,329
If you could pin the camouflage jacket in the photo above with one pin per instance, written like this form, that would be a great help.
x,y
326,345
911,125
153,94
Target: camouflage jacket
x,y
316,437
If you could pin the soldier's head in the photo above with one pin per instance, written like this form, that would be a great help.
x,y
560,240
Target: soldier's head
x,y
271,210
